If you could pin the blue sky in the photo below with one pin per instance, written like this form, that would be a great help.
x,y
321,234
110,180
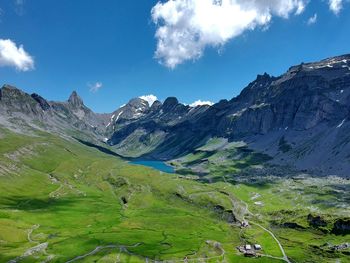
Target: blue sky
x,y
76,44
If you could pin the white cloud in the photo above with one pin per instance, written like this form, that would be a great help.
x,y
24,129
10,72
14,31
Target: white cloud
x,y
95,87
187,27
201,103
335,6
149,98
13,56
312,20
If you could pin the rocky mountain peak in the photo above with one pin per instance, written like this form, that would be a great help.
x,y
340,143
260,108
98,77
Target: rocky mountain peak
x,y
156,105
75,100
260,82
14,100
10,92
9,87
134,109
263,77
255,90
138,103
170,103
12,95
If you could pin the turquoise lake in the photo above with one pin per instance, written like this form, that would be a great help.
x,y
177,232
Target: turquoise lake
x,y
159,165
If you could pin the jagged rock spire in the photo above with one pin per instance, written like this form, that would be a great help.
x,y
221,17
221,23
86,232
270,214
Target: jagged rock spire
x,y
75,100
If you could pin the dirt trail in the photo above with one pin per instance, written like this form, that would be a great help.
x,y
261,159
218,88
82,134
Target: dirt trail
x,y
30,231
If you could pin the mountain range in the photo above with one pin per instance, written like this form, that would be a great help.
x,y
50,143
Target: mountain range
x,y
299,119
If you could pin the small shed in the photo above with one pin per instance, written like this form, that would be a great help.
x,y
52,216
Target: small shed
x,y
257,247
248,247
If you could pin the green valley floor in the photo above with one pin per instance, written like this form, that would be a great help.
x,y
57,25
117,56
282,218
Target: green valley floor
x,y
62,201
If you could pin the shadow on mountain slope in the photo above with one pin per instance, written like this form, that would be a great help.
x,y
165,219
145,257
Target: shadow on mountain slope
x,y
98,147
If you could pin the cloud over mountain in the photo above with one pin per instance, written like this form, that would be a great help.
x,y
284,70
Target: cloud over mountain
x,y
187,27
13,56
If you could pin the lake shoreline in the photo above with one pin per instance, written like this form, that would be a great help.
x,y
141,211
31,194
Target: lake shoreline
x,y
161,166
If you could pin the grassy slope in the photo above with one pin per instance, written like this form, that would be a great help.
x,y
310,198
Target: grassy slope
x,y
71,198
218,158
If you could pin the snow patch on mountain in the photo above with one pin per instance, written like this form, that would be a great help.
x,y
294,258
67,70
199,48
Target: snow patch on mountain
x,y
201,103
120,113
341,124
149,98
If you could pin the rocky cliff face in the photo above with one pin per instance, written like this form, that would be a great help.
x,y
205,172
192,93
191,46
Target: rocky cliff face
x,y
300,118
15,100
304,97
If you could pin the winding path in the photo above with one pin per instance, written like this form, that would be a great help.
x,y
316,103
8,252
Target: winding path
x,y
99,248
96,250
123,248
285,258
